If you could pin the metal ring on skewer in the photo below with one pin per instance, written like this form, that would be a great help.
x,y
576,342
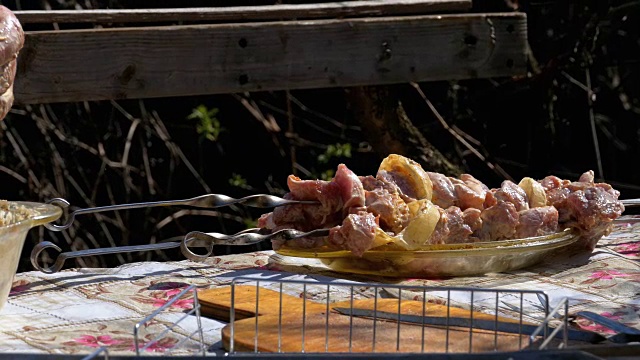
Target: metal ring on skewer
x,y
63,256
200,239
64,204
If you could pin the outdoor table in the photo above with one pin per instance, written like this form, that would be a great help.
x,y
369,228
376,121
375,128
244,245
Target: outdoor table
x,y
77,311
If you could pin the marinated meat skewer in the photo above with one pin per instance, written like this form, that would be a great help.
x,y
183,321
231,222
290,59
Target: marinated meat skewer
x,y
409,207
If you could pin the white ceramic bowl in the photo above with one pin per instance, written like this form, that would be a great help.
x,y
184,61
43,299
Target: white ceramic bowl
x,y
12,241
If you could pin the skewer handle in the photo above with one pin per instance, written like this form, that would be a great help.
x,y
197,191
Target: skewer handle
x,y
203,201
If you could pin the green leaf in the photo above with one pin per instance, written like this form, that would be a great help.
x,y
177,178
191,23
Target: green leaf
x,y
208,125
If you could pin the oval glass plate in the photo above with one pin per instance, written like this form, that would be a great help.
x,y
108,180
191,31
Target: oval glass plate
x,y
442,260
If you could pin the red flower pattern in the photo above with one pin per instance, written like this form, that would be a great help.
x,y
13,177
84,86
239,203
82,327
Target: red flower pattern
x,y
19,287
97,341
630,249
607,275
591,326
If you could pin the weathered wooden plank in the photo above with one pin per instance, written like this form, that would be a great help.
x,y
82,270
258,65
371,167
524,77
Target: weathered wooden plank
x,y
245,13
76,65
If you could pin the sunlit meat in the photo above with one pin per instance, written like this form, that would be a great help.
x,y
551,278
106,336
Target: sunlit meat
x,y
451,228
336,197
557,193
499,222
444,194
467,197
350,187
512,193
392,211
356,233
475,184
403,188
370,183
12,42
583,204
341,203
473,218
537,221
446,210
470,192
587,177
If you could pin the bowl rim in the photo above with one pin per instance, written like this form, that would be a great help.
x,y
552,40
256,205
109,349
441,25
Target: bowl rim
x,y
46,213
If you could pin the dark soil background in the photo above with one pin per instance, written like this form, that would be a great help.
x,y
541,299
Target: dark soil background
x,y
577,110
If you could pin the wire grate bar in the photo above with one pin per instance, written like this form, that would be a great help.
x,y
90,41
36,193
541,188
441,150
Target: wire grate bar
x,y
369,315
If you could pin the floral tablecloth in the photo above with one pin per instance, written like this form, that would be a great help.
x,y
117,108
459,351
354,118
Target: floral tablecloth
x,y
77,311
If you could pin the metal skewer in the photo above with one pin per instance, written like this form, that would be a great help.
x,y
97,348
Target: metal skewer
x,y
191,240
203,201
63,256
243,238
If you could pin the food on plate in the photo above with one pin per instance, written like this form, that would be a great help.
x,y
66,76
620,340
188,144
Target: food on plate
x,y
11,42
405,207
11,213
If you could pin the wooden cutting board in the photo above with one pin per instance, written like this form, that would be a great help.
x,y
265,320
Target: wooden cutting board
x,y
216,303
330,332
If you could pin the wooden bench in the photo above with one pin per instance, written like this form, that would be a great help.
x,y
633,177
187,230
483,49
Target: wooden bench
x,y
144,54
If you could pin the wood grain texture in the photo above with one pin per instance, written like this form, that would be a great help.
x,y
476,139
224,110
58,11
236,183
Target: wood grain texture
x,y
216,303
247,13
338,333
282,330
78,65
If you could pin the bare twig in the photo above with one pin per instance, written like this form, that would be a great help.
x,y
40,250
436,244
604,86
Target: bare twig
x,y
174,149
495,167
13,174
14,139
308,122
592,121
291,130
322,116
268,122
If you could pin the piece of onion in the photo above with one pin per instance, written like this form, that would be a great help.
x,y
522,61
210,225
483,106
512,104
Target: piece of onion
x,y
410,171
535,192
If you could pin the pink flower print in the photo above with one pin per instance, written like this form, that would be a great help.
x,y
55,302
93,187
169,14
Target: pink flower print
x,y
93,341
607,275
591,326
160,298
18,287
173,292
165,297
161,345
180,303
629,249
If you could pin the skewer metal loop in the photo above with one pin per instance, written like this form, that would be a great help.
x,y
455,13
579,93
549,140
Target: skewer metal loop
x,y
63,256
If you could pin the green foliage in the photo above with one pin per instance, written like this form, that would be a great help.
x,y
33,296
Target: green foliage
x,y
335,151
250,223
327,175
238,180
208,123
